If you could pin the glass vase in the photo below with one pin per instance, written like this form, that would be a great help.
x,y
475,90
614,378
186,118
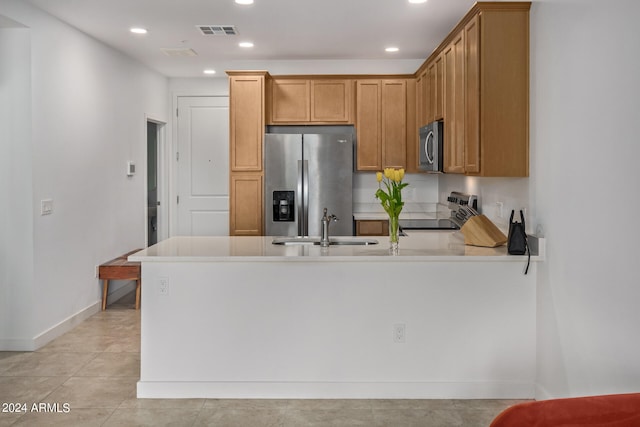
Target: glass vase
x,y
393,235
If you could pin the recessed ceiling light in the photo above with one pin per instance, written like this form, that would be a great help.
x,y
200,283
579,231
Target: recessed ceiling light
x,y
245,44
391,49
244,1
209,71
417,1
138,30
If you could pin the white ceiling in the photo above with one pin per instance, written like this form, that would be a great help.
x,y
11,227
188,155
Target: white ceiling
x,y
282,30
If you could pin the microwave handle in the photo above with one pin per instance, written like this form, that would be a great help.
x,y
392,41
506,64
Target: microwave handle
x,y
429,142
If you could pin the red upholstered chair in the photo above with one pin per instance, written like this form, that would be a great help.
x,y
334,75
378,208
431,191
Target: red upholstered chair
x,y
617,410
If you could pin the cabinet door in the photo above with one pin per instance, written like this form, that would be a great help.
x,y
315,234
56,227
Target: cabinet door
x,y
368,115
437,88
330,101
413,140
290,100
394,123
420,100
472,96
245,212
427,110
372,228
454,105
246,127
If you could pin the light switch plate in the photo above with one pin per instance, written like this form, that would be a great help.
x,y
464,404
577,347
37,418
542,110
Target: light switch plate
x,y
46,207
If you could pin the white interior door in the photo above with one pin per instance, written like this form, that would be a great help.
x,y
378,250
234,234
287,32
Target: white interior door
x,y
203,166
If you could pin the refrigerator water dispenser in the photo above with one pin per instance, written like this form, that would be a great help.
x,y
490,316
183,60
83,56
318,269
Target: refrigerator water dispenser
x,y
283,205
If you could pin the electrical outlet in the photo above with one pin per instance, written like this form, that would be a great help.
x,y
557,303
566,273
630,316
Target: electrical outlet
x,y
399,333
96,270
500,209
163,286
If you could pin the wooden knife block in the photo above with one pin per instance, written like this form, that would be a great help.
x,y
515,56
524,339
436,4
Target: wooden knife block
x,y
480,231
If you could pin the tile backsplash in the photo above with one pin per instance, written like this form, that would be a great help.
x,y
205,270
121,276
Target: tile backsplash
x,y
510,193
423,188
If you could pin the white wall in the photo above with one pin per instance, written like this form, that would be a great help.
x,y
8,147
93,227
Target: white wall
x,y
88,105
582,194
585,111
16,207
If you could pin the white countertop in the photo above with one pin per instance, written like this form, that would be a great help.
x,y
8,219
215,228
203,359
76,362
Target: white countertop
x,y
419,246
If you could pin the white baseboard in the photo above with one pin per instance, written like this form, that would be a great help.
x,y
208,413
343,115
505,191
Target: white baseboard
x,y
542,393
52,333
64,326
333,390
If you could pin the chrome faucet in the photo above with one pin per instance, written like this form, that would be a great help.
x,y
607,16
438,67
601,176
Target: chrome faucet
x,y
326,220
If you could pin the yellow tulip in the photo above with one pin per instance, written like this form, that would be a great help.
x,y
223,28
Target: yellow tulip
x,y
379,176
396,175
401,173
388,172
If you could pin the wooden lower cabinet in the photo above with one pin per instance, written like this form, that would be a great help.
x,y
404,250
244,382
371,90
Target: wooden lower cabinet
x,y
245,211
372,227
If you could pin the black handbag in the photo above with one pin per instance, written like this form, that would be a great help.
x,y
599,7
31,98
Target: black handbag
x,y
517,241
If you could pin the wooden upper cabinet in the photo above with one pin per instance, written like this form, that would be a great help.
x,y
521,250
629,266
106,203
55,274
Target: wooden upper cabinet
x,y
472,93
330,101
290,100
301,100
424,112
436,88
503,90
381,124
485,91
369,133
420,99
454,108
413,139
394,123
246,120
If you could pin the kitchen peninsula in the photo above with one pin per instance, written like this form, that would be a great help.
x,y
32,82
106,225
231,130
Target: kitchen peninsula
x,y
239,317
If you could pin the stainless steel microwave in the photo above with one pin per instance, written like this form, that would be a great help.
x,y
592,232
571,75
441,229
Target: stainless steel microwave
x,y
431,147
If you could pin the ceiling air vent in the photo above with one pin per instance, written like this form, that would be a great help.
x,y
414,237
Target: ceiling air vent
x,y
178,51
218,30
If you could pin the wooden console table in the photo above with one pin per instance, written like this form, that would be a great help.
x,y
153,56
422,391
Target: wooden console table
x,y
120,269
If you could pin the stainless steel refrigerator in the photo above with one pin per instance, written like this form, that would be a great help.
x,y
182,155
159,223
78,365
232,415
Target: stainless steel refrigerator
x,y
305,173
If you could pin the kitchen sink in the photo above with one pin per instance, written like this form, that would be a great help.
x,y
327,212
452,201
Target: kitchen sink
x,y
316,241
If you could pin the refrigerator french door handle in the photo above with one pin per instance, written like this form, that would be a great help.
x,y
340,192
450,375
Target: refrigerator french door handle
x,y
305,195
299,201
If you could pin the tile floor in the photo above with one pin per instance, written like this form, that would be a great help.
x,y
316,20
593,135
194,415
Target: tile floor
x,y
94,369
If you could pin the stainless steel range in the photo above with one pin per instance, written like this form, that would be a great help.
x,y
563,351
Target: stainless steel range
x,y
462,207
